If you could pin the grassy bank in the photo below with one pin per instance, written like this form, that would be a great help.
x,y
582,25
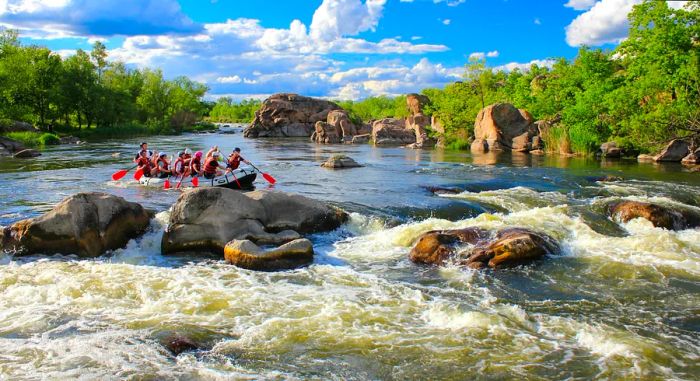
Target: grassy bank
x,y
34,139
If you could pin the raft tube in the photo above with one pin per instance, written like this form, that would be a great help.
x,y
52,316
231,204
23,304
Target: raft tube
x,y
227,180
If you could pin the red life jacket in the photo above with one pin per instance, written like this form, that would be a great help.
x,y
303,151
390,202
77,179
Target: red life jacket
x,y
145,163
162,165
234,162
179,166
210,166
196,164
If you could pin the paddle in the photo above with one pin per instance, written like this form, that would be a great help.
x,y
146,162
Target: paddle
x,y
166,185
119,174
236,178
267,177
195,181
138,174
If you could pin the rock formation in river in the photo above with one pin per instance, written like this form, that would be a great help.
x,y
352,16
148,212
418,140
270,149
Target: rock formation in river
x,y
392,131
9,147
206,219
289,115
502,127
505,248
339,162
247,255
659,216
86,224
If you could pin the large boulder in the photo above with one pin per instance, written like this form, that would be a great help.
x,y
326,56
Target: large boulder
x,y
289,115
610,150
341,121
391,131
675,151
659,216
248,255
206,219
501,126
9,147
508,247
86,224
416,103
418,124
326,133
16,126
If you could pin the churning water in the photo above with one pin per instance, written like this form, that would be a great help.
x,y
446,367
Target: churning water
x,y
622,301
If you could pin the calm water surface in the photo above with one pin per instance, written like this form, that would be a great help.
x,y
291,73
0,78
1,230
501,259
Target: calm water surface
x,y
622,301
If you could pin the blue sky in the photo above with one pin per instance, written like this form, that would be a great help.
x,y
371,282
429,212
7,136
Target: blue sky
x,y
346,49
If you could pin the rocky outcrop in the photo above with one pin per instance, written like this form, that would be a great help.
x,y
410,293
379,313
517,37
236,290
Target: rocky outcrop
x,y
337,128
325,133
692,158
675,151
659,216
361,139
391,131
610,150
501,126
86,224
508,247
416,103
9,147
206,219
247,255
340,161
289,115
419,123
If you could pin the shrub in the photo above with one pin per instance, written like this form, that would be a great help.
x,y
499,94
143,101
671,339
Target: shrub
x,y
28,139
47,139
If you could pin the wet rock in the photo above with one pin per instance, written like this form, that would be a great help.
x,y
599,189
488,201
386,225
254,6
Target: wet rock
x,y
340,161
610,150
659,216
70,140
645,158
512,247
361,139
692,158
606,178
501,126
442,190
509,247
9,147
436,247
288,115
390,131
325,133
26,154
206,219
86,224
675,151
245,254
180,344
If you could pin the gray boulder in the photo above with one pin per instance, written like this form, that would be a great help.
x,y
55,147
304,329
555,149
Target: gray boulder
x,y
675,151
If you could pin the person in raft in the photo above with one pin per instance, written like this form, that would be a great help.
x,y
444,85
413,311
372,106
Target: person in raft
x,y
143,163
196,164
143,147
180,168
234,160
211,165
162,167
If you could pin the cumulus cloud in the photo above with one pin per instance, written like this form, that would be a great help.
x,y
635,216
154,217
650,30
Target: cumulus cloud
x,y
62,18
446,21
524,66
482,55
336,18
580,5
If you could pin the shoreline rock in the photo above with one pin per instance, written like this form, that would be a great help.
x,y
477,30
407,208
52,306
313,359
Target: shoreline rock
x,y
503,127
289,115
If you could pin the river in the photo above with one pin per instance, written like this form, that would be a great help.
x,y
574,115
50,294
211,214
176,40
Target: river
x,y
622,301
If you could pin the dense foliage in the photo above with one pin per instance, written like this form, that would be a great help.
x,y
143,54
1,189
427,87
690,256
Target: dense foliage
x,y
86,93
641,94
376,108
226,110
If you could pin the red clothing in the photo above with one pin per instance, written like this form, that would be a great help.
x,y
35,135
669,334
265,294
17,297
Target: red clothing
x,y
179,166
234,162
163,166
196,165
144,163
210,166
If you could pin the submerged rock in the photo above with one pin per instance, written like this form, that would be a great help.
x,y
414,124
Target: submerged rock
x,y
340,161
247,255
86,224
508,247
177,344
659,216
206,219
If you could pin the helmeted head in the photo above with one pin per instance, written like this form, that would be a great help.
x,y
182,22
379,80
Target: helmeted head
x,y
198,154
180,154
214,154
188,151
162,154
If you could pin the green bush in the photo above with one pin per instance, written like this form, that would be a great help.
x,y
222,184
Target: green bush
x,y
47,139
28,139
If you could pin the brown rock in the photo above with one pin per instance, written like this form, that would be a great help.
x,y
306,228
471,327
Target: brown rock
x,y
659,216
326,133
416,103
178,344
501,126
418,124
513,246
86,224
198,225
676,150
340,161
645,158
289,115
436,125
247,255
435,247
390,131
610,150
361,139
341,121
692,158
9,147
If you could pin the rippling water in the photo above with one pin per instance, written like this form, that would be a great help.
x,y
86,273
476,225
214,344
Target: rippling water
x,y
623,301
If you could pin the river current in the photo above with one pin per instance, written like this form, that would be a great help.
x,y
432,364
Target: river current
x,y
621,302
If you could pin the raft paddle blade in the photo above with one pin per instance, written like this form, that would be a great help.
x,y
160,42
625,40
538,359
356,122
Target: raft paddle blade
x,y
166,185
269,178
138,175
119,174
195,181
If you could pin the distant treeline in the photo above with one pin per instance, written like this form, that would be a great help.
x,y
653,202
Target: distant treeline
x,y
641,94
86,93
226,110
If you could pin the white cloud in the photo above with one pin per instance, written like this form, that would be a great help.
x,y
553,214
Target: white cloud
x,y
580,5
482,55
524,66
606,22
492,54
416,38
230,79
336,18
446,21
537,21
